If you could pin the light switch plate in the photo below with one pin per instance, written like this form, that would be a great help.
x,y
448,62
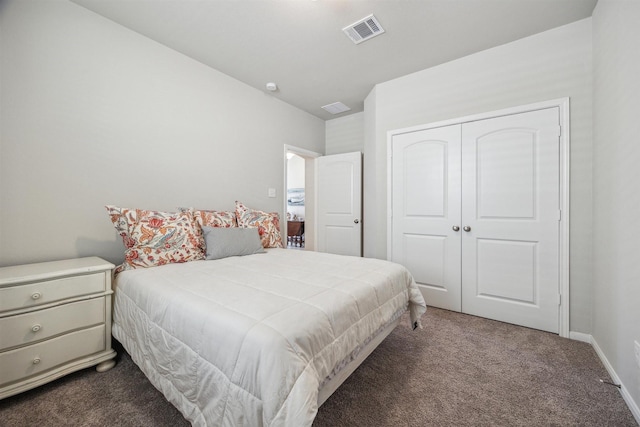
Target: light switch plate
x,y
272,192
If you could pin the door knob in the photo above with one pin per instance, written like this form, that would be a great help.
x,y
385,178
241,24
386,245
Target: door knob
x,y
456,228
466,228
356,221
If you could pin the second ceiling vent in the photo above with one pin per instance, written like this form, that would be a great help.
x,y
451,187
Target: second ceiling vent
x,y
364,29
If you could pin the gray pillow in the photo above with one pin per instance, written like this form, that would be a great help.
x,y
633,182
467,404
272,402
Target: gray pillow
x,y
235,241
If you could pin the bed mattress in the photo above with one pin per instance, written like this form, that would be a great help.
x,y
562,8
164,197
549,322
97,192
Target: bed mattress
x,y
247,341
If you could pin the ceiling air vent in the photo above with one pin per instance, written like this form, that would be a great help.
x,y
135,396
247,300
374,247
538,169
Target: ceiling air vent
x,y
336,108
364,29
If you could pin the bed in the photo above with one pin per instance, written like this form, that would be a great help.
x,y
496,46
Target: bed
x,y
258,340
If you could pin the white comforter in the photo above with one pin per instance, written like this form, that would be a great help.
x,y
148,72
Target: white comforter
x,y
247,341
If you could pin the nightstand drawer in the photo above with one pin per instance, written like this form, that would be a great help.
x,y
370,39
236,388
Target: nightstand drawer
x,y
47,323
34,359
34,294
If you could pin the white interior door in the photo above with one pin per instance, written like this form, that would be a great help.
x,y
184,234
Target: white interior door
x,y
510,218
426,212
339,195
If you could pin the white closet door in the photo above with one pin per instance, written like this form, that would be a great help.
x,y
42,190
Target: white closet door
x,y
426,208
510,187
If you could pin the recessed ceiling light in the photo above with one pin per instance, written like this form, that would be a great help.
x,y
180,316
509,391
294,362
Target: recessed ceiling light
x,y
336,108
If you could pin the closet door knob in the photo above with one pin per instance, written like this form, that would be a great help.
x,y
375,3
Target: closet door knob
x,y
466,228
356,221
456,228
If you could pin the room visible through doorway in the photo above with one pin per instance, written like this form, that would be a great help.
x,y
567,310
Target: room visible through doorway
x,y
295,201
298,223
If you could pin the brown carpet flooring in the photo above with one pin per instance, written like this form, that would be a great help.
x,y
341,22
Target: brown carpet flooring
x,y
459,371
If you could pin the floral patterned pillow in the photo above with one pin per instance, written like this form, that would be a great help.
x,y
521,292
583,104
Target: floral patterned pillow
x,y
268,224
155,238
205,218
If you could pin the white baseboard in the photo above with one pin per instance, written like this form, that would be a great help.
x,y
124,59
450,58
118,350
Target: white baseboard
x,y
633,406
579,336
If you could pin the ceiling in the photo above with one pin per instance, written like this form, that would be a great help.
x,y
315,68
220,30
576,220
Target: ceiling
x,y
299,44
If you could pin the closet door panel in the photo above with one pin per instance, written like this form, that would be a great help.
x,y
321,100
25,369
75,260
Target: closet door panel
x,y
506,157
426,207
425,180
506,270
424,256
510,187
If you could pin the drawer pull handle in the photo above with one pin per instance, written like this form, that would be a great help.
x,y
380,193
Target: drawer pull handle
x,y
36,295
36,360
35,328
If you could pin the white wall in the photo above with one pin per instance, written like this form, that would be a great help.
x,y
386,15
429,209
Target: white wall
x,y
370,180
616,187
345,134
95,114
549,65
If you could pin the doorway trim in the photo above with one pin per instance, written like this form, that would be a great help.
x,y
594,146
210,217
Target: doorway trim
x,y
563,105
309,189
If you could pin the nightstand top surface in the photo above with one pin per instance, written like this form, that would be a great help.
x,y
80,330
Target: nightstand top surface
x,y
50,270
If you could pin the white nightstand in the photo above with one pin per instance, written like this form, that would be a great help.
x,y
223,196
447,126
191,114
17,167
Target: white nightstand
x,y
55,318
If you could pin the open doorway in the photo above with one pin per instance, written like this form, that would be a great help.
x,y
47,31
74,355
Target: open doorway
x,y
299,201
295,201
